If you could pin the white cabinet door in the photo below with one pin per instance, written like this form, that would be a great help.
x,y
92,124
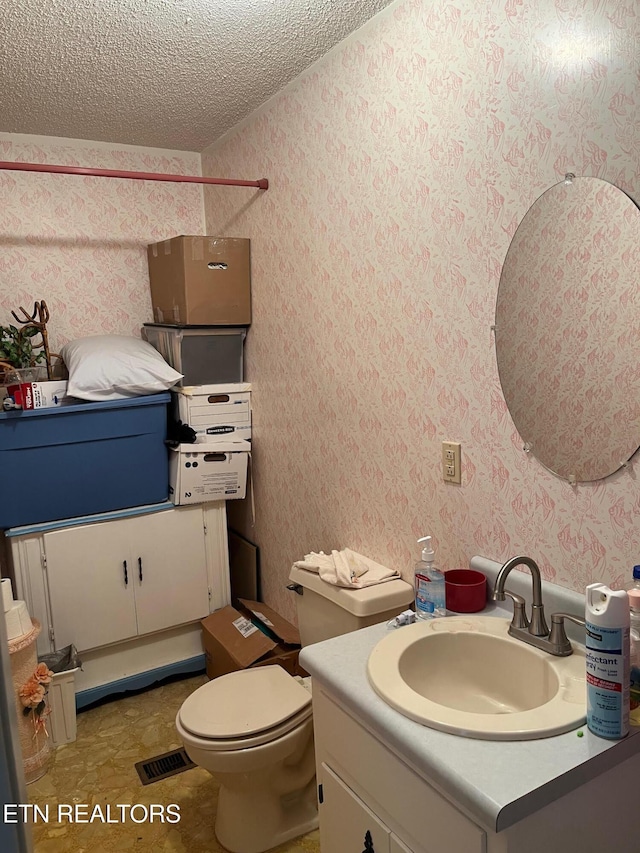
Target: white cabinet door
x,y
170,568
412,806
346,824
397,846
114,580
90,588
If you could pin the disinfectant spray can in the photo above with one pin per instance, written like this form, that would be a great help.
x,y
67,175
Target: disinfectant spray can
x,y
607,652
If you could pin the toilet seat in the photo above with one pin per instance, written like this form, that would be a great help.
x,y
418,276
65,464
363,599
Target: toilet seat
x,y
246,708
243,743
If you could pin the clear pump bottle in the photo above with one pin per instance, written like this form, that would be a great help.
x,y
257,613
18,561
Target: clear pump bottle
x,y
635,583
429,584
634,654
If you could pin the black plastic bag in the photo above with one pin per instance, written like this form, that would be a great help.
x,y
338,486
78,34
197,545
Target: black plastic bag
x,y
63,660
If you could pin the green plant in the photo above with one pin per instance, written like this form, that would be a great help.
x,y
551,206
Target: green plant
x,y
16,346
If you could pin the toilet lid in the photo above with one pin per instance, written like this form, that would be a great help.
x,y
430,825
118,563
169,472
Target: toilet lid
x,y
243,703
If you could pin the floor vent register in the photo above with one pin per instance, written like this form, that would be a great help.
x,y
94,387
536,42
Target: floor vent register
x,y
163,766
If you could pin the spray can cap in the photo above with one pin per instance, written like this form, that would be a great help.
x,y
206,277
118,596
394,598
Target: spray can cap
x,y
606,607
427,552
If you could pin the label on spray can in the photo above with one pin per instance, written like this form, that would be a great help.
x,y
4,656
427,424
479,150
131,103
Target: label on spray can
x,y
607,676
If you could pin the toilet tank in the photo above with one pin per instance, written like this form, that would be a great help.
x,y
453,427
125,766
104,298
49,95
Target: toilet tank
x,y
325,610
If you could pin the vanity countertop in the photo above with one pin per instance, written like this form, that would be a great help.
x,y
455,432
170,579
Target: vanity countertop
x,y
497,782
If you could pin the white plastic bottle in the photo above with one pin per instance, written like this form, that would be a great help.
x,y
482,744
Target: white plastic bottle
x,y
607,652
429,584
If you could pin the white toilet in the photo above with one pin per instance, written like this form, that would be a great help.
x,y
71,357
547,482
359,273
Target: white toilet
x,y
253,729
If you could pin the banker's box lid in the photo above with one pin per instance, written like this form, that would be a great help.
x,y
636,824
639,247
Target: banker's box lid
x,y
206,390
359,602
210,446
248,636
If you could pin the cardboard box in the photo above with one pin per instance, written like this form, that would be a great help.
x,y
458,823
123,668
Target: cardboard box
x,y
201,281
38,395
254,636
208,471
222,414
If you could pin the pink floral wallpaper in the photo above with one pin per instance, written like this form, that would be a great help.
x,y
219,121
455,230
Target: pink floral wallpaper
x,y
80,243
399,168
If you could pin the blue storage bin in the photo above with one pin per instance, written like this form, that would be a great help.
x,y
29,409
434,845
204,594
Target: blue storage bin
x,y
84,458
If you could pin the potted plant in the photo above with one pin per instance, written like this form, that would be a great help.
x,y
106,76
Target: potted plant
x,y
16,348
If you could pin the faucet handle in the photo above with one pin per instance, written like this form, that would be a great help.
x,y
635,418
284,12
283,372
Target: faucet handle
x,y
558,637
519,614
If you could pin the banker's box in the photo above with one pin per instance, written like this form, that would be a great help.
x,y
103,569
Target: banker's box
x,y
215,411
208,471
201,281
254,636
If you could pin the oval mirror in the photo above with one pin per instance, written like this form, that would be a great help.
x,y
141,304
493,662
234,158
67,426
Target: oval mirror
x,y
567,329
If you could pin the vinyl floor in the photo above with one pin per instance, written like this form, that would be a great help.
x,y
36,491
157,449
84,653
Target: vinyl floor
x,y
98,769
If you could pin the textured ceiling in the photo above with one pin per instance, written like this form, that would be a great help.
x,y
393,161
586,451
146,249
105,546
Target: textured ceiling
x,y
166,73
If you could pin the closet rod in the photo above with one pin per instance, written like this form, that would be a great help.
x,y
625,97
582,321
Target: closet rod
x,y
262,184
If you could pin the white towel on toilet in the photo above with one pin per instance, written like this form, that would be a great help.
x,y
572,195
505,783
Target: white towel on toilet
x,y
346,568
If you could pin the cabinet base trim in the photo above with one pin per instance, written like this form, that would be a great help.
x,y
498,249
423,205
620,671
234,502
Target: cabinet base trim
x,y
191,666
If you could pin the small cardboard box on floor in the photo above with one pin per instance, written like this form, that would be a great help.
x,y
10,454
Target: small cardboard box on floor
x,y
257,636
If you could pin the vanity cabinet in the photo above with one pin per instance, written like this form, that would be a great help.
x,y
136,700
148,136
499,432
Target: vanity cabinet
x,y
364,788
98,583
371,799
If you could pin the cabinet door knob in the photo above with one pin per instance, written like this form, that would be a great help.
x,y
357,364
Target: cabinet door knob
x,y
126,576
140,568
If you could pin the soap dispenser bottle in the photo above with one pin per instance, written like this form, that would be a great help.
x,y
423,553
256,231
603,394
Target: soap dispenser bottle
x,y
429,584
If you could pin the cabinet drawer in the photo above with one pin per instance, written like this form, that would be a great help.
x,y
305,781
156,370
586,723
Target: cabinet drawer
x,y
408,805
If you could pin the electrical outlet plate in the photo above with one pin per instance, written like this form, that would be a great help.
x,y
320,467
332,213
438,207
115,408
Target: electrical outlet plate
x,y
451,464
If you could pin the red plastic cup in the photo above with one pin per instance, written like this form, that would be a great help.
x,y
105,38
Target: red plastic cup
x,y
465,590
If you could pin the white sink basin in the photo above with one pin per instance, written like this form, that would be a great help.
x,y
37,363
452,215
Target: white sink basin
x,y
467,676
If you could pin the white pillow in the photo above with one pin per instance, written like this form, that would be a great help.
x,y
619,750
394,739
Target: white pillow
x,y
113,367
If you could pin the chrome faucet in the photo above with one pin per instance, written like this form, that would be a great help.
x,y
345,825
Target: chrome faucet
x,y
535,632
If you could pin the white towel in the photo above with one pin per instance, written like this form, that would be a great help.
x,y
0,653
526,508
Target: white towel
x,y
346,568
